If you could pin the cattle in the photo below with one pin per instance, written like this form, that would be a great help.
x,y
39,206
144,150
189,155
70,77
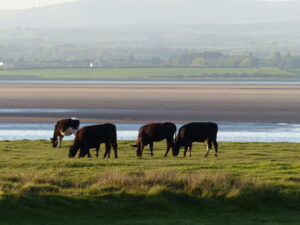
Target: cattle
x,y
196,132
64,127
155,132
91,137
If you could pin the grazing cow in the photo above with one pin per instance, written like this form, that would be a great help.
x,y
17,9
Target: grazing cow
x,y
155,132
196,132
65,127
91,137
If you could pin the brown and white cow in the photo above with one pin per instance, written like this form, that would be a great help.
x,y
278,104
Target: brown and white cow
x,y
196,132
92,137
155,132
64,127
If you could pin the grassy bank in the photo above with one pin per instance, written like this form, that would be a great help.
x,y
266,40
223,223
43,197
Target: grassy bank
x,y
250,183
268,73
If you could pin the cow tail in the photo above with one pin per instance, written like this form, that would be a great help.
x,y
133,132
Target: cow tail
x,y
216,132
114,136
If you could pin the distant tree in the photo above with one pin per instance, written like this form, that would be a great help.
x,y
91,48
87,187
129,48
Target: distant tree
x,y
156,61
198,61
250,61
233,61
274,60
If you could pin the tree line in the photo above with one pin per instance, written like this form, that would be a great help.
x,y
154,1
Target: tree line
x,y
140,57
217,59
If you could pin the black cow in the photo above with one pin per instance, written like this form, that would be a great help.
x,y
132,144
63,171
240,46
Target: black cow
x,y
65,127
196,132
91,137
155,132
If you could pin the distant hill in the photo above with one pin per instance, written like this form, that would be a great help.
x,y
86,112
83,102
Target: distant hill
x,y
107,13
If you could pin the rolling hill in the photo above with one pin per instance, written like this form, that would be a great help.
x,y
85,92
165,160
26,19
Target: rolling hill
x,y
104,13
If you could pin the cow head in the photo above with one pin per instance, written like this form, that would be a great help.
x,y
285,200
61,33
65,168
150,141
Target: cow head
x,y
176,148
54,142
138,149
73,151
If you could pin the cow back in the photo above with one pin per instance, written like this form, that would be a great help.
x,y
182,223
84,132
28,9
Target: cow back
x,y
95,134
198,132
64,124
157,131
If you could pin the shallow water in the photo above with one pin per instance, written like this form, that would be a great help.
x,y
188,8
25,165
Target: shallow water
x,y
232,132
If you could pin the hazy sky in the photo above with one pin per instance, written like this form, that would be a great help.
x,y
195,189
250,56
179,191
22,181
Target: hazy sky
x,y
21,4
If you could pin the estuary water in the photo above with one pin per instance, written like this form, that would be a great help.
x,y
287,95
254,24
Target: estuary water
x,y
229,132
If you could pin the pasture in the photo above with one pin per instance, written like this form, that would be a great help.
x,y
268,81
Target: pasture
x,y
249,183
157,74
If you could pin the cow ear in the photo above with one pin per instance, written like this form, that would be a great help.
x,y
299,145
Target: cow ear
x,y
51,139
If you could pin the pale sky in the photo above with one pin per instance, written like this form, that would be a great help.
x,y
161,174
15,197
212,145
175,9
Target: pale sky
x,y
22,4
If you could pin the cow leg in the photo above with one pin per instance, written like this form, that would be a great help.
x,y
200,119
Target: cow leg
x,y
115,147
97,151
209,146
167,151
141,150
185,150
107,150
190,150
83,152
89,154
216,148
59,140
151,148
138,150
169,145
105,153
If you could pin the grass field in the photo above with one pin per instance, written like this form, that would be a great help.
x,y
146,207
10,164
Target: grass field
x,y
249,183
149,73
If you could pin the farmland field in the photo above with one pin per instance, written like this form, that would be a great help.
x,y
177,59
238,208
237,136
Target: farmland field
x,y
267,73
249,183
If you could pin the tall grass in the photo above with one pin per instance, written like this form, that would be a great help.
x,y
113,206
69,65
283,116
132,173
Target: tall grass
x,y
205,185
199,184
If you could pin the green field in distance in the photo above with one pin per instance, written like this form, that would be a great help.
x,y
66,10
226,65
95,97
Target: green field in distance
x,y
182,73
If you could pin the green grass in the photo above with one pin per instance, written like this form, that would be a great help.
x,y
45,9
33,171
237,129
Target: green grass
x,y
149,73
249,183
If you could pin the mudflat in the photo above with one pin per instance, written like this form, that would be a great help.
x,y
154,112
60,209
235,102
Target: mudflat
x,y
139,103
